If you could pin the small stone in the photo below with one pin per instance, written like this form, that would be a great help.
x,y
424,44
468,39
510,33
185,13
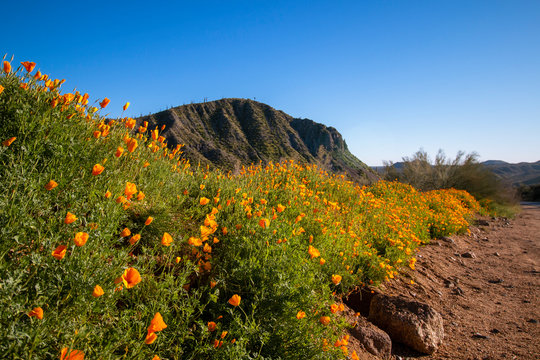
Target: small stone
x,y
495,281
479,336
469,254
458,291
494,331
532,321
497,254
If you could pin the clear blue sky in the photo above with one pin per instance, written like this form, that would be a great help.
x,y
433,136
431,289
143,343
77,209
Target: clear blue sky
x,y
391,76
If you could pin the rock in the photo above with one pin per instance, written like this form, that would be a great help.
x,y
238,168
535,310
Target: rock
x,y
497,254
412,323
458,291
482,222
495,281
494,331
532,321
480,336
469,254
448,239
373,339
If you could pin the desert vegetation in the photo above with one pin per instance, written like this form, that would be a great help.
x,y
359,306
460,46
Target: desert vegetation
x,y
113,245
464,172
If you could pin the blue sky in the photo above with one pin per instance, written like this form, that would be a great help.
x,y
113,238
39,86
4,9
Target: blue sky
x,y
391,76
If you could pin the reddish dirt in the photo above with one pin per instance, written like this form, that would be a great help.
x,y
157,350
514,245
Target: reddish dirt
x,y
490,302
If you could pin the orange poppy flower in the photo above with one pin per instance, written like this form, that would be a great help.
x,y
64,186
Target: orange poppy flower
x,y
126,232
108,194
150,338
98,291
313,252
336,279
300,315
134,239
264,223
96,134
131,277
194,241
29,66
322,261
80,238
156,324
155,356
223,334
132,145
97,169
9,141
36,312
280,208
119,151
126,105
235,300
204,201
70,218
73,354
325,320
130,190
59,252
140,195
1,89
7,67
167,239
211,326
104,103
51,185
149,220
207,248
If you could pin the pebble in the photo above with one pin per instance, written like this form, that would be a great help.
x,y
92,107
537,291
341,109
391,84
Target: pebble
x,y
497,254
533,321
480,336
495,281
469,254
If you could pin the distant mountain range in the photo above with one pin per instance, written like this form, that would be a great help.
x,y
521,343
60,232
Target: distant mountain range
x,y
229,133
517,174
523,173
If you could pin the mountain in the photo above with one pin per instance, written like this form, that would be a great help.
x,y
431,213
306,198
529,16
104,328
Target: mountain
x,y
229,133
518,174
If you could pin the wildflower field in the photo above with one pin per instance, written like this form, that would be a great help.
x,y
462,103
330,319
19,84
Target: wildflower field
x,y
112,245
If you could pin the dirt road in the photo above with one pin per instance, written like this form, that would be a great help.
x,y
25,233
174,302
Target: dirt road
x,y
486,286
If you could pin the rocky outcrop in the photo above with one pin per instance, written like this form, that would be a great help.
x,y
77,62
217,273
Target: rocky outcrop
x,y
229,133
373,339
412,323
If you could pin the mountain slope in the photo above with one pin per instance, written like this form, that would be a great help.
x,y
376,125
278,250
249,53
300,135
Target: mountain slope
x,y
229,133
521,173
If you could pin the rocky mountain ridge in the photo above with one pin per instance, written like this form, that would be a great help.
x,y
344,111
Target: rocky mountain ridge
x,y
229,133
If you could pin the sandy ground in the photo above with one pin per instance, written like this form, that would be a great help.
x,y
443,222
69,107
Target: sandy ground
x,y
490,301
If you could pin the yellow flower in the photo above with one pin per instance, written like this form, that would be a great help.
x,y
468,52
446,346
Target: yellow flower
x,y
80,238
98,291
126,105
300,315
108,194
51,185
1,89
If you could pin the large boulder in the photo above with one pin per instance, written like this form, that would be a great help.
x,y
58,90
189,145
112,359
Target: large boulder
x,y
412,323
373,339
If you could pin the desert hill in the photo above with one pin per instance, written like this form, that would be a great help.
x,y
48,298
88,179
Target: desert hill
x,y
229,133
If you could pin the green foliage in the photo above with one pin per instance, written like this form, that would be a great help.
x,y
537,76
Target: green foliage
x,y
276,235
